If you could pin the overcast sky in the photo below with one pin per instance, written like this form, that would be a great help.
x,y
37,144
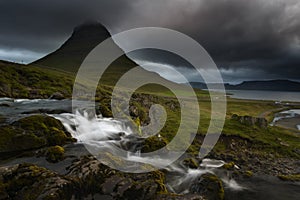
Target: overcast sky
x,y
248,39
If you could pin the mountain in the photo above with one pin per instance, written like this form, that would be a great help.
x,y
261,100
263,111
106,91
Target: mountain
x,y
272,85
84,39
56,71
71,54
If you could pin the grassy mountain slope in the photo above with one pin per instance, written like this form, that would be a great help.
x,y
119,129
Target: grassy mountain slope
x,y
21,81
84,39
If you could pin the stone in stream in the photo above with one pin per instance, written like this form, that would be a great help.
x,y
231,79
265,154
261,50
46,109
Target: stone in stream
x,y
57,96
94,177
87,178
208,185
32,133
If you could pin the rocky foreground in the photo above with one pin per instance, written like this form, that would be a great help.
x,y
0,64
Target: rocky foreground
x,y
84,177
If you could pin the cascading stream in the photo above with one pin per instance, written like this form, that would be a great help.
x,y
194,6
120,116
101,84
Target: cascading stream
x,y
107,134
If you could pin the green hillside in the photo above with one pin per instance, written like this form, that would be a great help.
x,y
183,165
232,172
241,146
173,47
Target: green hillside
x,y
21,81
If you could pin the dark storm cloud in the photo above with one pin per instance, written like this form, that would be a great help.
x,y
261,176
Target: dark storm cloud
x,y
41,26
246,38
260,35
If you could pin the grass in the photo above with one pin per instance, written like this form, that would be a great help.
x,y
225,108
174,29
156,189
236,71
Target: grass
x,y
20,81
24,82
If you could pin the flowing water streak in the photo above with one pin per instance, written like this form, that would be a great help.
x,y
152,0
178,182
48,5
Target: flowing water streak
x,y
105,133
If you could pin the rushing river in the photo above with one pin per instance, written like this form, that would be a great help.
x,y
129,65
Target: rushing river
x,y
106,133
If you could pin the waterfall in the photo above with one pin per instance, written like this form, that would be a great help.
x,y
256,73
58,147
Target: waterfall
x,y
110,133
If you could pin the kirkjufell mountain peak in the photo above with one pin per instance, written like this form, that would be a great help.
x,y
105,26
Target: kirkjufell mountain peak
x,y
91,29
70,55
85,37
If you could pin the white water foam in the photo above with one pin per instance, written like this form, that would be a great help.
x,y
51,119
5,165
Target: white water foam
x,y
101,131
92,130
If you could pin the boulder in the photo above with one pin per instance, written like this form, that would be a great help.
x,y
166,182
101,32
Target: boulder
x,y
95,177
57,96
31,133
153,143
28,181
208,185
55,154
191,163
251,121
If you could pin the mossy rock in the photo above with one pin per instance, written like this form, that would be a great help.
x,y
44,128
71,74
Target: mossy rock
x,y
28,181
55,154
32,133
290,177
191,163
210,186
248,174
105,110
160,179
229,166
38,123
153,143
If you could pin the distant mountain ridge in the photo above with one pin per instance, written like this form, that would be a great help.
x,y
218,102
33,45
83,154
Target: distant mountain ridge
x,y
272,85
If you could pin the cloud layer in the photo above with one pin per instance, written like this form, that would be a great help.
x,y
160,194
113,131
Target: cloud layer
x,y
257,39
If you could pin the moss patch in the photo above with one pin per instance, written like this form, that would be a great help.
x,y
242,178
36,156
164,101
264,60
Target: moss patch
x,y
291,177
55,154
31,133
153,143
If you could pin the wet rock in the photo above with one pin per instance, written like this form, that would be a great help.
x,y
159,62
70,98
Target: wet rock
x,y
134,112
48,111
248,174
191,163
28,181
31,133
5,105
55,154
229,166
180,197
290,177
57,96
153,143
35,94
105,110
95,177
208,185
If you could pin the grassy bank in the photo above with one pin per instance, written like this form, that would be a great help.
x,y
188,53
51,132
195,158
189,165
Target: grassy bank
x,y
20,81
